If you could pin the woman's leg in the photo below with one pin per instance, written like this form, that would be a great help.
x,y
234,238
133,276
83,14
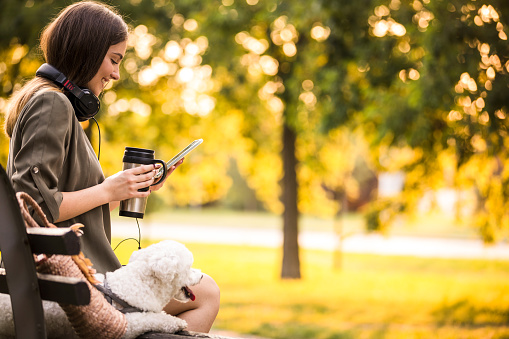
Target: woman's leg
x,y
200,313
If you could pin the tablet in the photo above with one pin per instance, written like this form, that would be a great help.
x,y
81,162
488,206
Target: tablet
x,y
179,156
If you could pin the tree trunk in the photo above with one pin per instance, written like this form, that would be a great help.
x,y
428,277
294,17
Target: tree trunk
x,y
339,229
291,261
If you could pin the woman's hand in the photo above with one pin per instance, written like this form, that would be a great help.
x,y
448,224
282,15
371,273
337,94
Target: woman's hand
x,y
170,171
125,184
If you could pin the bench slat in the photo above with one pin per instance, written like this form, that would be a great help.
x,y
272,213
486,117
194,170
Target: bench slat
x,y
53,240
65,290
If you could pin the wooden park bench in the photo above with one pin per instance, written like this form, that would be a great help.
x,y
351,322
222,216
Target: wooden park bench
x,y
26,287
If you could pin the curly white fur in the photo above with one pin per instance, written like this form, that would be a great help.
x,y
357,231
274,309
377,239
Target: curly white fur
x,y
153,277
139,323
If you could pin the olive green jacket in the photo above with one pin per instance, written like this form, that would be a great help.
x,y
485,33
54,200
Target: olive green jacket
x,y
49,153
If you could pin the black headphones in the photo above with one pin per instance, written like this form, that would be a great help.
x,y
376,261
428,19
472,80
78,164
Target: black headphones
x,y
86,104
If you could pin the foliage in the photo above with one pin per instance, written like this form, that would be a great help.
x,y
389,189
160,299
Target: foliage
x,y
444,91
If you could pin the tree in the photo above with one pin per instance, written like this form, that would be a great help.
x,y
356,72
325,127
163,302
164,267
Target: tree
x,y
448,100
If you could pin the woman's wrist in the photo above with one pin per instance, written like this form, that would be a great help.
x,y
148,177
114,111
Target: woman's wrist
x,y
104,192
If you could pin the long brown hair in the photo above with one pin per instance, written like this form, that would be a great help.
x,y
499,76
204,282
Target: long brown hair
x,y
75,43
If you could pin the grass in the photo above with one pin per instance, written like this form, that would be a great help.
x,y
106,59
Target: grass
x,y
369,297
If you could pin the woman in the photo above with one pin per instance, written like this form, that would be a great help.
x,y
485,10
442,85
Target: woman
x,y
51,158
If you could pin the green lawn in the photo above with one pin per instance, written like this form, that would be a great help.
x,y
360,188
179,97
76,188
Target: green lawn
x,y
370,297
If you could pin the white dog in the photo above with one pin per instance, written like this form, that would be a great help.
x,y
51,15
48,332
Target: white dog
x,y
154,276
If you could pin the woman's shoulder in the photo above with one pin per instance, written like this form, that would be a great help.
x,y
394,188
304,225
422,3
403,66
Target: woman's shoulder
x,y
52,96
50,102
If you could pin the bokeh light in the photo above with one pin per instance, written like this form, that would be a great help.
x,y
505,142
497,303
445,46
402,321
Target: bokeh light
x,y
319,32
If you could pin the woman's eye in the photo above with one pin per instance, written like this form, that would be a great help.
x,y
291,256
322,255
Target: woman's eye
x,y
114,62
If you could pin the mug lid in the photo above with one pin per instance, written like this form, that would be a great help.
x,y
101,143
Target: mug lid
x,y
136,149
139,152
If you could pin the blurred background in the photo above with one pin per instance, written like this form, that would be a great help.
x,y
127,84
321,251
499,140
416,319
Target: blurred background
x,y
344,142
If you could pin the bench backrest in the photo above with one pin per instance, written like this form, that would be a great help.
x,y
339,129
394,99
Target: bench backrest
x,y
19,278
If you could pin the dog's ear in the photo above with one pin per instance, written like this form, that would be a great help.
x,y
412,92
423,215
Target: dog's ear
x,y
164,267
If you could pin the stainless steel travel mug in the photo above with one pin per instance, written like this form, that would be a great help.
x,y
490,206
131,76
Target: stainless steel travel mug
x,y
135,157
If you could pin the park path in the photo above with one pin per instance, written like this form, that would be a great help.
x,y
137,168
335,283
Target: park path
x,y
358,243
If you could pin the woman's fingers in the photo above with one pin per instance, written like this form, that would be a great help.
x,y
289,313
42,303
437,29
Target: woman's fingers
x,y
144,169
144,174
145,177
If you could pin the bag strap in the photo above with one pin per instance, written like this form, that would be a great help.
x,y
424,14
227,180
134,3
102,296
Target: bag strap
x,y
24,200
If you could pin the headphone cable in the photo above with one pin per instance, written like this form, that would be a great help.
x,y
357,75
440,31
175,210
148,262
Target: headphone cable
x,y
99,130
137,240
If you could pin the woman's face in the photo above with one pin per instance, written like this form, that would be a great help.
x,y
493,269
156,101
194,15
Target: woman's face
x,y
109,69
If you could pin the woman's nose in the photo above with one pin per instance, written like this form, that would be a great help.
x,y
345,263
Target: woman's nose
x,y
115,75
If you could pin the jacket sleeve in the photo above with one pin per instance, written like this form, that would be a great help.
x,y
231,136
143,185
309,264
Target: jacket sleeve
x,y
44,128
